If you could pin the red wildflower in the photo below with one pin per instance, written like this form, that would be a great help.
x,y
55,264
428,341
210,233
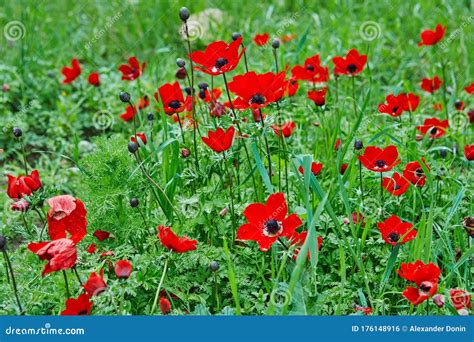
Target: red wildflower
x,y
431,84
286,129
23,185
165,306
410,102
92,248
470,88
257,90
219,140
261,39
366,310
292,86
70,74
267,222
172,98
143,102
140,136
175,243
218,58
397,185
425,276
101,235
337,145
393,106
61,254
95,285
395,231
288,37
434,127
67,214
311,71
378,160
123,269
130,112
210,97
429,37
318,96
78,307
21,205
358,218
469,152
132,70
298,239
460,298
352,65
93,79
343,168
105,254
414,173
315,168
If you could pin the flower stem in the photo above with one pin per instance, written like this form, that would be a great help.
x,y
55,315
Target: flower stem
x,y
360,178
181,127
269,157
381,193
15,289
77,275
25,164
155,301
231,194
68,294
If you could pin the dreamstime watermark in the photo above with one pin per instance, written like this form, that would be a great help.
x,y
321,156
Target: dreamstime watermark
x,y
456,33
370,30
46,330
14,30
281,295
110,22
22,110
195,30
102,120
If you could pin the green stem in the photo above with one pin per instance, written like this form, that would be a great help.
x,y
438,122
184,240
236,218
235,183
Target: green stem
x,y
68,294
15,289
155,301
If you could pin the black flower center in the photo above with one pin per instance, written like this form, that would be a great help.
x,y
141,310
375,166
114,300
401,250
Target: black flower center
x,y
352,68
393,237
394,110
309,67
220,62
272,227
396,187
258,99
425,287
380,163
82,312
419,172
434,130
175,104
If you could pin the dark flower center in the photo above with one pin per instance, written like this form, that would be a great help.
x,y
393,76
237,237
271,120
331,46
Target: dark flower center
x,y
309,67
133,70
419,172
380,163
425,287
82,312
434,130
258,99
396,187
272,227
220,62
393,237
394,110
175,104
352,68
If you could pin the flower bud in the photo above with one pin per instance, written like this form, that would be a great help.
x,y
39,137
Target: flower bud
x,y
438,299
185,153
3,243
134,202
150,117
132,147
181,73
235,35
276,43
184,13
6,88
358,145
180,62
17,132
214,266
124,97
203,85
223,212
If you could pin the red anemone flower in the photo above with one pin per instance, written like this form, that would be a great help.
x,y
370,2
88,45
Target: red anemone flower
x,y
431,84
218,58
425,276
172,98
343,168
460,298
261,39
61,254
378,160
292,86
311,71
23,185
143,102
94,79
286,129
267,222
67,214
393,106
257,90
415,174
78,307
95,285
219,140
470,88
434,127
469,152
130,112
92,248
70,74
315,168
430,37
394,231
459,105
352,65
132,70
397,185
366,310
318,96
140,136
165,306
410,102
298,239
123,269
101,235
175,243
209,97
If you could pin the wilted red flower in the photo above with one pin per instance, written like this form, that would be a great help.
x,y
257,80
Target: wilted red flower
x,y
292,86
431,84
315,168
78,307
267,222
311,71
140,136
172,98
261,39
397,185
434,127
257,90
460,298
286,129
425,276
165,306
393,106
395,231
70,74
23,185
67,214
132,70
298,239
469,152
429,37
378,160
318,96
21,205
352,65
101,235
366,310
92,248
414,173
175,243
219,140
94,79
61,254
143,102
470,88
123,269
218,58
130,112
95,285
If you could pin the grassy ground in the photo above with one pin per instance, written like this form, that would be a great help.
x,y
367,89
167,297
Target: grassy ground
x,y
74,154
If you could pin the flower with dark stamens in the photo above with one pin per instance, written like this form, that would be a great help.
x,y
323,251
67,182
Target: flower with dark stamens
x,y
433,127
351,65
397,185
172,98
132,70
394,231
311,71
378,160
431,85
415,174
425,276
